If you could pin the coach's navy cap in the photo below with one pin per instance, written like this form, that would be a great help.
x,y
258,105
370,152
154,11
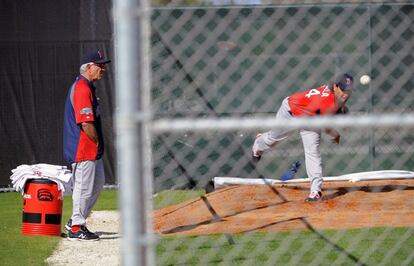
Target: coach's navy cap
x,y
344,81
96,57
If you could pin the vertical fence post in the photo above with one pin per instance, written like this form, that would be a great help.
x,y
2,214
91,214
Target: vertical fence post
x,y
132,62
371,150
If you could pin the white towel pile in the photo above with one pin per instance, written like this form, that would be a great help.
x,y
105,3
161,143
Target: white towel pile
x,y
56,173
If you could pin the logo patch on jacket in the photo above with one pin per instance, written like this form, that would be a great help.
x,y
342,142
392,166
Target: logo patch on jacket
x,y
86,111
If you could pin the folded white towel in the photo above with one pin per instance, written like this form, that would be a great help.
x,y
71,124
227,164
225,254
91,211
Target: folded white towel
x,y
56,173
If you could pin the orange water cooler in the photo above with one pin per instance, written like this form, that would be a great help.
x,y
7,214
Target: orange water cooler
x,y
42,208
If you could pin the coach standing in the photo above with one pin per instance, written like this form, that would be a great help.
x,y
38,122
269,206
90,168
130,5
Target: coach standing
x,y
83,144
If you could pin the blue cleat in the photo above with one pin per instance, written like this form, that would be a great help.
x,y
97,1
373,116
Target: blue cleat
x,y
289,174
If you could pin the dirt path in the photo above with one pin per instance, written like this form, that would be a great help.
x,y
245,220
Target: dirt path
x,y
102,252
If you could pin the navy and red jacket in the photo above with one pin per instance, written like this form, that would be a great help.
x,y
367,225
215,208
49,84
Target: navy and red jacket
x,y
81,106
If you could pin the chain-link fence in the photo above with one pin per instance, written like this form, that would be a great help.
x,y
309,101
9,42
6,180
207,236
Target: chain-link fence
x,y
242,62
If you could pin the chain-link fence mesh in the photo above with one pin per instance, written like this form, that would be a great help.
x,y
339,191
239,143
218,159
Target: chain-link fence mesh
x,y
243,61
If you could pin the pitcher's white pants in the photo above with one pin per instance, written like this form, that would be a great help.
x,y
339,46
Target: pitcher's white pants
x,y
88,181
311,140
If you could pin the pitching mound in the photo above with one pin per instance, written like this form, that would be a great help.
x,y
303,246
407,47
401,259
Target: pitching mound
x,y
242,209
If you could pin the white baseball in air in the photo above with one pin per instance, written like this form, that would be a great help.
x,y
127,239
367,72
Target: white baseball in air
x,y
365,79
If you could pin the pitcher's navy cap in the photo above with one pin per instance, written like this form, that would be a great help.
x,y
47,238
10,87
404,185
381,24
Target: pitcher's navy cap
x,y
344,81
96,57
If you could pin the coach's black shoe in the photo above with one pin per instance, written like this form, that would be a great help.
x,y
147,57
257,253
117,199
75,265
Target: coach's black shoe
x,y
84,228
83,234
314,196
68,225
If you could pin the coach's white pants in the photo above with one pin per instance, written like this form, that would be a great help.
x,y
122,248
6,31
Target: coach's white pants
x,y
88,181
311,140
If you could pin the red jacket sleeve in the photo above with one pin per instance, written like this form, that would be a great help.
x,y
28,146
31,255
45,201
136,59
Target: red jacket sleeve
x,y
82,102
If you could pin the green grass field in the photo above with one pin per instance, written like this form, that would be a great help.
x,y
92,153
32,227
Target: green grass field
x,y
373,246
297,248
17,249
